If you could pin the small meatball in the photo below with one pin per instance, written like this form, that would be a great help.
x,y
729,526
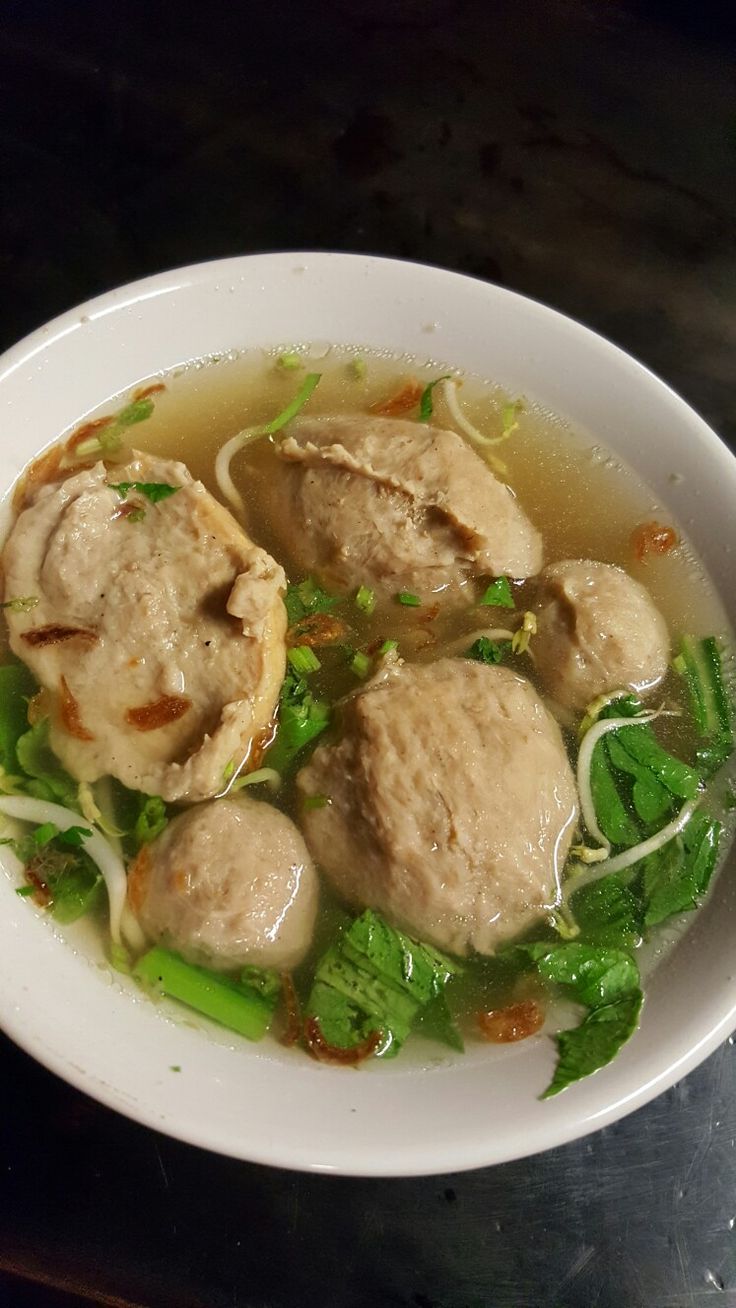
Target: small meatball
x,y
158,627
451,803
228,884
598,631
398,506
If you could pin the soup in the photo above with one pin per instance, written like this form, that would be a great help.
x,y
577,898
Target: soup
x,y
471,768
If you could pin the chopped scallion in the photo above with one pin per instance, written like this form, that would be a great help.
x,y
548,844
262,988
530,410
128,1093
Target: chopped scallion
x,y
365,599
290,360
303,660
360,664
358,368
388,646
315,801
410,601
239,1007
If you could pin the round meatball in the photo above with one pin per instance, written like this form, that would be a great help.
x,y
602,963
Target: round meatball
x,y
228,884
451,803
397,506
597,631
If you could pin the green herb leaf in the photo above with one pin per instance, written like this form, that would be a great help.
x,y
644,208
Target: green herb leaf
x,y
606,980
700,663
76,890
410,601
153,490
74,837
375,978
436,1022
16,688
499,593
301,719
608,913
592,974
45,833
614,820
151,819
642,745
426,406
47,779
487,651
595,1042
677,876
652,801
307,598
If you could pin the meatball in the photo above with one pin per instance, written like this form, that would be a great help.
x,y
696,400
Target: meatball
x,y
228,884
597,631
397,506
160,636
451,803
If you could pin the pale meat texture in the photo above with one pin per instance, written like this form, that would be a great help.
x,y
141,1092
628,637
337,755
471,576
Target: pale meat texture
x,y
598,631
451,803
168,665
228,884
399,505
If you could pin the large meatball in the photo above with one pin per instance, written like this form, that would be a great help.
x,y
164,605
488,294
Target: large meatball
x,y
398,506
160,636
228,884
598,631
451,803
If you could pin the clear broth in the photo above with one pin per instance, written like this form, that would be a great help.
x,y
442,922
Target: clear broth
x,y
562,478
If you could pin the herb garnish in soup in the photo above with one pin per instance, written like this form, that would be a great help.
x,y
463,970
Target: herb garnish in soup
x,y
360,702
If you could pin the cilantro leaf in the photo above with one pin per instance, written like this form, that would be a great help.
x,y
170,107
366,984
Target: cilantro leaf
x,y
153,490
305,598
499,593
301,719
487,651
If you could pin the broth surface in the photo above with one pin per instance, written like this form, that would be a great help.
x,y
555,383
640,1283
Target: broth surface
x,y
583,500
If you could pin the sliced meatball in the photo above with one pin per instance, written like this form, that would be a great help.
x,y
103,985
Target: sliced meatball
x,y
597,631
158,628
398,506
228,884
451,803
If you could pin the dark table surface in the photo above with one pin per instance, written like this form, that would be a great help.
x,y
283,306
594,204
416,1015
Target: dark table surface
x,y
582,152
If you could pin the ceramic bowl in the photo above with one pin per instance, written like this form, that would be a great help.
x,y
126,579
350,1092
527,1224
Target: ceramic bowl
x,y
422,1114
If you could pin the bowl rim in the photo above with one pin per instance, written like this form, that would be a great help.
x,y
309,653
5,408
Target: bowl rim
x,y
438,1156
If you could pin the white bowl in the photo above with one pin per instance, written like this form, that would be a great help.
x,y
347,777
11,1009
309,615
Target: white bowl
x,y
63,1005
